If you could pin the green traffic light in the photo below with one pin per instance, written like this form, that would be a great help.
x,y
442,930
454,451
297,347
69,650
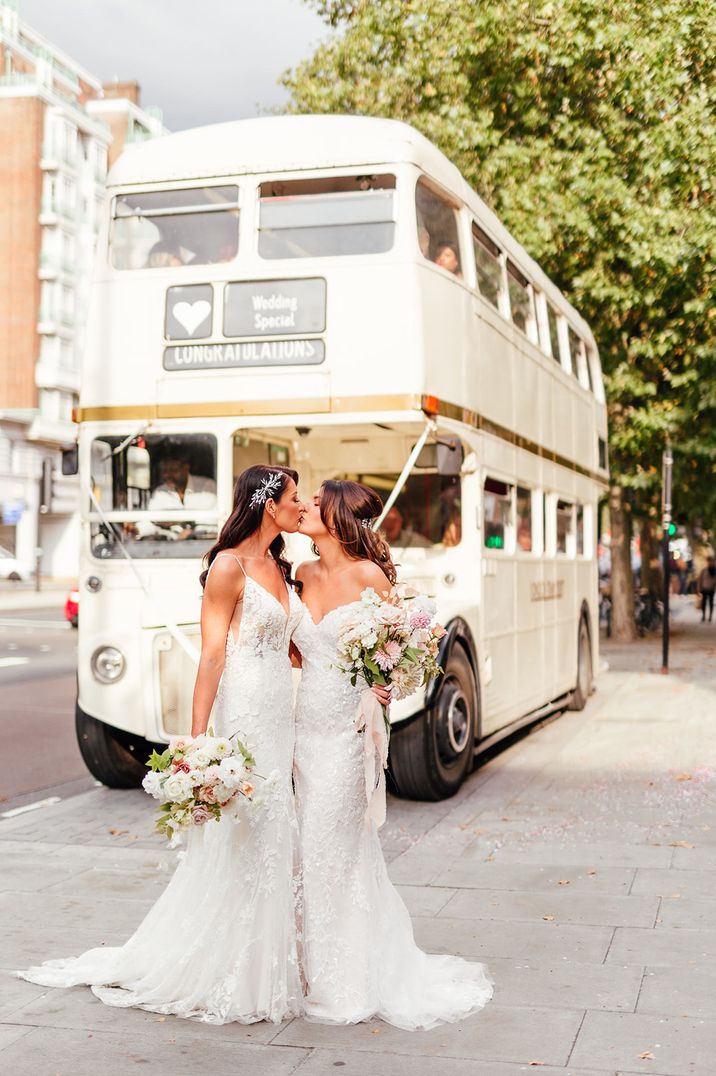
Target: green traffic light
x,y
672,529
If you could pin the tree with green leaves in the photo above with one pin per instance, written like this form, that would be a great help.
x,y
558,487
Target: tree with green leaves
x,y
590,128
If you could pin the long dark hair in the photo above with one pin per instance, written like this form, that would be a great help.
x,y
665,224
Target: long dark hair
x,y
245,518
347,510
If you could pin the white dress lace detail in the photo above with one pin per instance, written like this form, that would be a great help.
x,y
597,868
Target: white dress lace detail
x,y
359,954
220,943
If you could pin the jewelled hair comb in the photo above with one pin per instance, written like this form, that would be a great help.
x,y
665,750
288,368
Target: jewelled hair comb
x,y
270,485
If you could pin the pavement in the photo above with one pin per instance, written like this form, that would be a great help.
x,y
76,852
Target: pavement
x,y
579,863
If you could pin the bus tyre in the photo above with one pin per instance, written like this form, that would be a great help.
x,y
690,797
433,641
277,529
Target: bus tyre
x,y
431,755
114,757
578,698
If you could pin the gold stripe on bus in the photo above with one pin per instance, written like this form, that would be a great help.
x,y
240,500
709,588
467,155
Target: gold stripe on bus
x,y
336,405
486,425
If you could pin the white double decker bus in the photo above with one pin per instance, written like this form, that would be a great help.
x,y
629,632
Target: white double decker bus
x,y
328,293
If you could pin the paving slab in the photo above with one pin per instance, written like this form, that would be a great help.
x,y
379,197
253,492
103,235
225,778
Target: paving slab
x,y
566,985
540,941
685,991
696,884
677,948
425,900
561,905
589,854
680,1046
497,1033
469,874
343,1063
681,912
77,1008
71,1052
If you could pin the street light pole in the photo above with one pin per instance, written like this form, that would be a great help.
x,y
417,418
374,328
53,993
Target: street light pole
x,y
667,463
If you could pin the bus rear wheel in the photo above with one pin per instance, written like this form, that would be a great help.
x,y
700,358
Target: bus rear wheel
x,y
431,756
583,689
114,757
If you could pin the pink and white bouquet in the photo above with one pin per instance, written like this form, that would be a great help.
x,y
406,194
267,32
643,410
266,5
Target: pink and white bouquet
x,y
391,641
197,779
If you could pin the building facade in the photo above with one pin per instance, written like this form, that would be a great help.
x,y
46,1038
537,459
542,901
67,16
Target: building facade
x,y
60,130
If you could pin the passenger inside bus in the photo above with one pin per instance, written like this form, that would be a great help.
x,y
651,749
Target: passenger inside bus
x,y
446,257
163,255
399,533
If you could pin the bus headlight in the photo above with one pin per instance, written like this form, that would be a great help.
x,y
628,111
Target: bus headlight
x,y
107,664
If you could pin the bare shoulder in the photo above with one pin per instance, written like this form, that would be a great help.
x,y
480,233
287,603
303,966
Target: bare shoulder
x,y
306,571
226,576
368,574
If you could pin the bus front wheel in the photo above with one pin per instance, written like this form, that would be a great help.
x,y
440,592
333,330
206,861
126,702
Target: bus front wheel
x,y
114,757
583,688
431,755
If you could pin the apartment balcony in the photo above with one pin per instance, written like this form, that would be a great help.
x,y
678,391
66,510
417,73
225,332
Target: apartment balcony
x,y
49,160
48,216
49,268
47,323
52,375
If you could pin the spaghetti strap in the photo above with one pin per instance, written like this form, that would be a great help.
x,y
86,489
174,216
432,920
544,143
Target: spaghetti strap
x,y
226,553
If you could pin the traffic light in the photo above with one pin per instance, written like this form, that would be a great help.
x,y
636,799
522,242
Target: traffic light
x,y
672,530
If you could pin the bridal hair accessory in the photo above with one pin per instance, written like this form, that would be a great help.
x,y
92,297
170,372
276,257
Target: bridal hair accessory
x,y
270,485
366,522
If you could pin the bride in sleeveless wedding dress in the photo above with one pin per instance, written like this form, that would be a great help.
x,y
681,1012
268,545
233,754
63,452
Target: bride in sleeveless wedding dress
x,y
359,954
219,945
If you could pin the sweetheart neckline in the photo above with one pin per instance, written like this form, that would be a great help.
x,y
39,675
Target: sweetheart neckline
x,y
317,623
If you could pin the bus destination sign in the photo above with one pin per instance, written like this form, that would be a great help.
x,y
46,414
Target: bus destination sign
x,y
275,307
250,353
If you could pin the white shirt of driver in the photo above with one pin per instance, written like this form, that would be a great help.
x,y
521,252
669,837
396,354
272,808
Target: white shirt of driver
x,y
200,494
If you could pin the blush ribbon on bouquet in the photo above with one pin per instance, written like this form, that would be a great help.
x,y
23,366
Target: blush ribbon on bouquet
x,y
371,722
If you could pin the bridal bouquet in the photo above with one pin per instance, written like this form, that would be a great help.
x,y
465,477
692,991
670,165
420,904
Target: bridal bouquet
x,y
386,641
198,779
391,641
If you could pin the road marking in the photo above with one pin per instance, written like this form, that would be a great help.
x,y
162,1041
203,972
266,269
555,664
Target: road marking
x,y
57,625
49,802
5,663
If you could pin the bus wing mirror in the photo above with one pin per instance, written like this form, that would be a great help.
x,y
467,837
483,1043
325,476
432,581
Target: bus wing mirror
x,y
138,467
450,456
70,460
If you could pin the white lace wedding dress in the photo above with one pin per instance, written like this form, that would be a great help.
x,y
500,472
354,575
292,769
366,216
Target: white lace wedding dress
x,y
220,943
359,954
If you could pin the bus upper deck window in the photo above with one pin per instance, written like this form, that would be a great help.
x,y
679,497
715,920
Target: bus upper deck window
x,y
573,351
521,301
487,263
438,236
329,216
164,229
497,510
553,331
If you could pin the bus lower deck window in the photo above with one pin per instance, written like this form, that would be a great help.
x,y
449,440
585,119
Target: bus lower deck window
x,y
438,235
523,502
565,527
327,216
168,229
497,513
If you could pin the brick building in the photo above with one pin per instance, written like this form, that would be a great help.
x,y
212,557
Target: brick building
x,y
60,130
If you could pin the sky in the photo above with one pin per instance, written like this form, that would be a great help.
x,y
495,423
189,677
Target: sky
x,y
200,61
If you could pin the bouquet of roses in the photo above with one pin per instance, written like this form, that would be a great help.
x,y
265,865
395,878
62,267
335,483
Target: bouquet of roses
x,y
386,641
197,779
391,641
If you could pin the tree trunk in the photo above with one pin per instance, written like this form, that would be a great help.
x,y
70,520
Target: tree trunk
x,y
623,627
651,576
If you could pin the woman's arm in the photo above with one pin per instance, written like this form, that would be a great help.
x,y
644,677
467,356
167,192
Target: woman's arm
x,y
224,588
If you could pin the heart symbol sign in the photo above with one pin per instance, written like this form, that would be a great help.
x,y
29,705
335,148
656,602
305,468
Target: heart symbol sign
x,y
191,315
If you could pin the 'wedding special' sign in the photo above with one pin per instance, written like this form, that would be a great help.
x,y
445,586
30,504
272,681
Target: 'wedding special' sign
x,y
275,307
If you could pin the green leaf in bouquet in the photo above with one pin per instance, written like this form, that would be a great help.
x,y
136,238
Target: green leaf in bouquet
x,y
371,665
160,762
